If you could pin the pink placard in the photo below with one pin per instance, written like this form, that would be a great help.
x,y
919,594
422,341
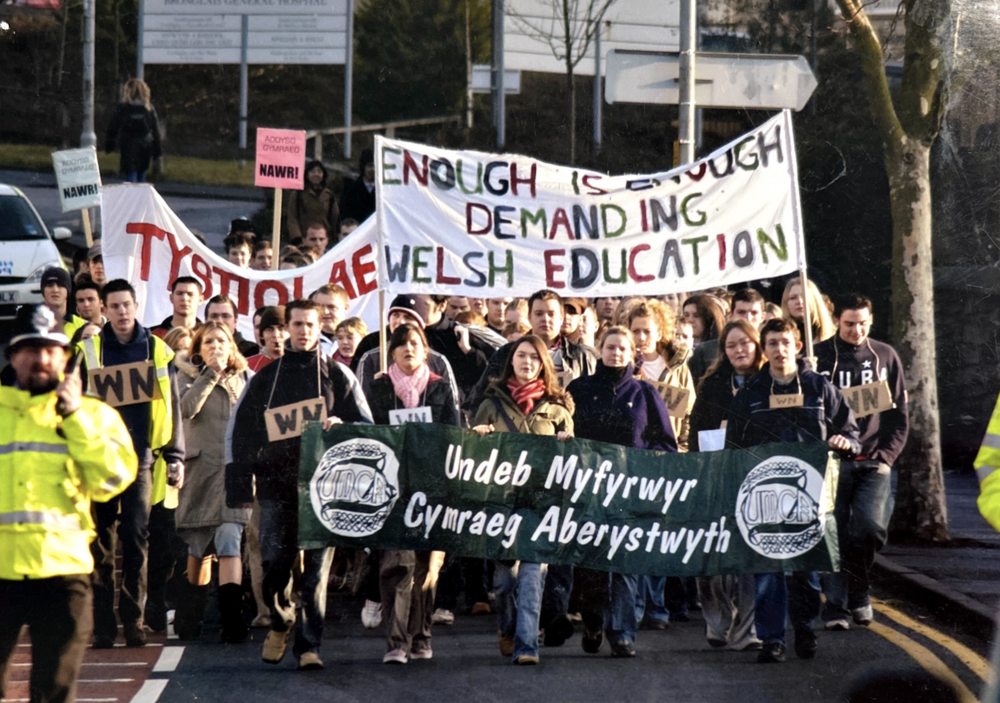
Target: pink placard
x,y
281,158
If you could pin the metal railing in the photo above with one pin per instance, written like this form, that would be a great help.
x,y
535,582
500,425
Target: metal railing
x,y
389,128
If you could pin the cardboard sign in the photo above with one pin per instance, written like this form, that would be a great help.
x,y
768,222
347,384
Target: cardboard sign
x,y
126,384
869,399
404,415
676,398
78,178
712,440
281,159
287,421
789,400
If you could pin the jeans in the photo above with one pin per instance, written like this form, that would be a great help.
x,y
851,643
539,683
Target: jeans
x,y
795,595
132,528
519,587
279,551
60,616
608,603
862,512
136,176
555,597
651,588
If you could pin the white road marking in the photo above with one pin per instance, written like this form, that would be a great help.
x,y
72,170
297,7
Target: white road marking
x,y
150,691
170,657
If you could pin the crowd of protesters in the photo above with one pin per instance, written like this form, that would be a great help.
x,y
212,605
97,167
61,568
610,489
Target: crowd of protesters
x,y
216,494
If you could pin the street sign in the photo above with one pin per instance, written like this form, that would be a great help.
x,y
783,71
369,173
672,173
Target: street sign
x,y
530,25
482,80
750,81
279,32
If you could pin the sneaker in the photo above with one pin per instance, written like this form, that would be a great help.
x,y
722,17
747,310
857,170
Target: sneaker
x,y
480,608
396,656
310,661
423,653
592,641
558,631
261,621
805,644
526,660
506,645
274,647
371,614
863,616
838,624
135,635
443,617
623,649
771,653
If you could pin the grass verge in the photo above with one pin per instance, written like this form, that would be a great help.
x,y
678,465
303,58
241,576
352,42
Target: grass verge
x,y
178,169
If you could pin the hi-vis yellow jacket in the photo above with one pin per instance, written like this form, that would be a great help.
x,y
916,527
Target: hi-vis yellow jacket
x,y
162,424
50,470
987,462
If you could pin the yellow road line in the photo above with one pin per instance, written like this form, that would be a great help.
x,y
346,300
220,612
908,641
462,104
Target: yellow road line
x,y
925,658
976,663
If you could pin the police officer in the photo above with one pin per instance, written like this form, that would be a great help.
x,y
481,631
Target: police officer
x,y
870,375
132,372
58,452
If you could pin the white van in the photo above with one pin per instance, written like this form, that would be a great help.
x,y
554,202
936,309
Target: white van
x,y
26,250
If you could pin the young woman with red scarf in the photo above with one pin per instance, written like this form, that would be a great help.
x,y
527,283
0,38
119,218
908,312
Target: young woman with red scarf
x,y
407,578
525,398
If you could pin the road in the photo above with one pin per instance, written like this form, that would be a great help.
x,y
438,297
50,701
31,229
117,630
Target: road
x,y
209,215
674,665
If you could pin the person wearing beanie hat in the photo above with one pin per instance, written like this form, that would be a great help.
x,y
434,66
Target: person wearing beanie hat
x,y
273,336
96,258
62,450
358,202
56,287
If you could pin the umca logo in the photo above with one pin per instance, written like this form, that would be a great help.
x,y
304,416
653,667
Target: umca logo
x,y
778,507
355,486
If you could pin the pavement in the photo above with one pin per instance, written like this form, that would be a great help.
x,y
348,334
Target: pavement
x,y
958,581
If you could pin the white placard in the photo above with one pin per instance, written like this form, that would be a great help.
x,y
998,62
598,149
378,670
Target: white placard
x,y
711,440
404,415
78,178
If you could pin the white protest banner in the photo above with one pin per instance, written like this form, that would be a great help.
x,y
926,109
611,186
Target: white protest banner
x,y
78,178
147,244
470,223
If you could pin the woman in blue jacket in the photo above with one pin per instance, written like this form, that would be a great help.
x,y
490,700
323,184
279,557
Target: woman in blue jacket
x,y
616,407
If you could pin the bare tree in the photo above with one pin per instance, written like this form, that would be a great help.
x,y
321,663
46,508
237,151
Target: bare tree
x,y
568,27
933,69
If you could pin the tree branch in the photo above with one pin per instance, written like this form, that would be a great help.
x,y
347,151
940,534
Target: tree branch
x,y
869,49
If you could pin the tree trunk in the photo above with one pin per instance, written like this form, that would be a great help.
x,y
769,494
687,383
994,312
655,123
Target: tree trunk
x,y
921,509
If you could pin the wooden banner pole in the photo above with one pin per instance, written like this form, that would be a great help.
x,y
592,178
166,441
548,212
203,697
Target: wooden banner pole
x,y
382,365
806,318
276,232
88,233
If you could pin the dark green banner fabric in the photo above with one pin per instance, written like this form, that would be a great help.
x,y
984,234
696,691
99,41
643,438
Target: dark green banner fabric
x,y
514,496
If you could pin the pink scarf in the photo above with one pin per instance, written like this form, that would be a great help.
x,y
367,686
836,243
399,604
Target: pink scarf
x,y
410,388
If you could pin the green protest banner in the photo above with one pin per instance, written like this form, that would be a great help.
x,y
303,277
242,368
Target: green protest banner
x,y
515,496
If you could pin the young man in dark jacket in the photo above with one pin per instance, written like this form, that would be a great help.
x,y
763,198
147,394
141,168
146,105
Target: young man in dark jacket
x,y
545,315
871,377
785,402
301,375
